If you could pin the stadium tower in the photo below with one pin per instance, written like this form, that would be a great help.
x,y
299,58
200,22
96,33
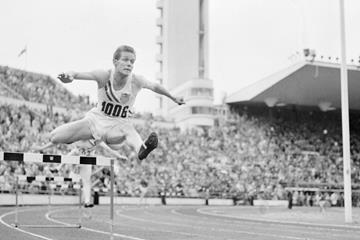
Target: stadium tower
x,y
183,61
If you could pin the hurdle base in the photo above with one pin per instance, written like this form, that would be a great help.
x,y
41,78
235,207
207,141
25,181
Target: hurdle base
x,y
48,226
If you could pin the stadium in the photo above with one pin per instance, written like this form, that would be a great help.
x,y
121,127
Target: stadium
x,y
265,163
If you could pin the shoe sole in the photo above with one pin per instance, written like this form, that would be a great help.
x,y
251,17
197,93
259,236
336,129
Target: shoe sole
x,y
151,143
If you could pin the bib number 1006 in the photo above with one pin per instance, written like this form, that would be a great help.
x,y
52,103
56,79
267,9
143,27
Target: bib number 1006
x,y
114,110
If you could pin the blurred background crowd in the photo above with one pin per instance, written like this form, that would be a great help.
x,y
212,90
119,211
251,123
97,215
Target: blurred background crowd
x,y
254,152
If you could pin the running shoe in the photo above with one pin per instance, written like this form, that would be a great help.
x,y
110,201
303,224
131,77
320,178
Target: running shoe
x,y
151,143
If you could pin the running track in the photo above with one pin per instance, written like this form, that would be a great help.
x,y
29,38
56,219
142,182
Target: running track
x,y
164,223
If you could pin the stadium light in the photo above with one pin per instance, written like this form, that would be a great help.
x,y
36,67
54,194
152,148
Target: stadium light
x,y
309,54
306,52
326,106
312,54
281,104
271,101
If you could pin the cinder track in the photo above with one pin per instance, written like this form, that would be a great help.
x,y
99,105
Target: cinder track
x,y
181,222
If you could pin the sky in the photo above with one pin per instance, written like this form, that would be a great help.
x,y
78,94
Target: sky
x,y
248,39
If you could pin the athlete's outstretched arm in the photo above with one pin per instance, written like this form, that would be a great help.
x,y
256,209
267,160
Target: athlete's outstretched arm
x,y
158,88
163,91
98,76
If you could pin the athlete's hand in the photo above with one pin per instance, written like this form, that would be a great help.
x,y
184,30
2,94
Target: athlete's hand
x,y
179,100
66,77
37,148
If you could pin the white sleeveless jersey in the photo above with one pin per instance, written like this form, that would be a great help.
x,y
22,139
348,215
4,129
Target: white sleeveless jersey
x,y
117,104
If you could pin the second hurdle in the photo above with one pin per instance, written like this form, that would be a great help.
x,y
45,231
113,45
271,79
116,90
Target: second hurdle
x,y
48,180
68,159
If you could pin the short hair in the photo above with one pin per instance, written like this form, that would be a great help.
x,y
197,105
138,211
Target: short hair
x,y
123,48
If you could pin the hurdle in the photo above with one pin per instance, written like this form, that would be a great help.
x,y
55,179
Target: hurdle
x,y
47,180
68,159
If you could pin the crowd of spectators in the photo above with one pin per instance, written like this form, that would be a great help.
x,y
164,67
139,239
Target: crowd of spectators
x,y
243,157
40,88
253,153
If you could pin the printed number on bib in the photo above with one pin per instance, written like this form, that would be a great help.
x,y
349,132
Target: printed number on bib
x,y
114,110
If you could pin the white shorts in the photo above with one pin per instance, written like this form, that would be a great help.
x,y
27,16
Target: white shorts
x,y
101,126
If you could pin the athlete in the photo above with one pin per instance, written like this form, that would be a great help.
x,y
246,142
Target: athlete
x,y
109,121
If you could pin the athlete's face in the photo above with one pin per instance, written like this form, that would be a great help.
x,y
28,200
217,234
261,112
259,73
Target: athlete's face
x,y
125,63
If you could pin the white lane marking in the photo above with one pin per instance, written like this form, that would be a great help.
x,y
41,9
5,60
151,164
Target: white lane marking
x,y
294,230
161,230
148,228
202,211
90,229
18,229
152,229
212,229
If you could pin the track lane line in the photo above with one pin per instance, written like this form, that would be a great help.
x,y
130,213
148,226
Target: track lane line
x,y
90,229
214,229
293,230
345,227
18,229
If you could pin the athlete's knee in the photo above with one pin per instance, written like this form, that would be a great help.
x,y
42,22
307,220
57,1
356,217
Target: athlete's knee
x,y
54,137
57,137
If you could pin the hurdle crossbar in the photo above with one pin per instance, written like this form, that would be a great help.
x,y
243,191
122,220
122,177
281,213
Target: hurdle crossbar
x,y
45,178
53,158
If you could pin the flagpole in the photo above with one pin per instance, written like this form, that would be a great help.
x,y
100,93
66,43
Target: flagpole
x,y
26,57
345,120
20,57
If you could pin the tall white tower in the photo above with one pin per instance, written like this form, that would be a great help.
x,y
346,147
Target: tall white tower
x,y
183,61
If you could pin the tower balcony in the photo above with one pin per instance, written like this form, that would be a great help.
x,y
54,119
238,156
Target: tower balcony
x,y
159,39
160,4
159,57
159,22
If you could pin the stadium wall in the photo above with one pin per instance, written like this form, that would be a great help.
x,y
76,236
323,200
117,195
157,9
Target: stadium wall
x,y
42,199
129,200
37,199
271,203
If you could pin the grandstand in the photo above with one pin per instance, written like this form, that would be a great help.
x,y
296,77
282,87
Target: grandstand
x,y
301,108
255,153
259,151
268,144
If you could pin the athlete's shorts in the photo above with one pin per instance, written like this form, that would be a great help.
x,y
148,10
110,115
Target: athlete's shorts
x,y
101,126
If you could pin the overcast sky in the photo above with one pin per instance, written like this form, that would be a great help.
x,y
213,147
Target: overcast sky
x,y
249,39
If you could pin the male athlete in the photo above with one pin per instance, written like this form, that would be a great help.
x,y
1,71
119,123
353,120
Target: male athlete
x,y
109,121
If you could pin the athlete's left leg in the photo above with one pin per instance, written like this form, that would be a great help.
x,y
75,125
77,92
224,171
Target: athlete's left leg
x,y
133,139
85,174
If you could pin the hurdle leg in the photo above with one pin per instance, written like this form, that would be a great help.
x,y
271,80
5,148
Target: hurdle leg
x,y
80,208
112,199
16,201
49,195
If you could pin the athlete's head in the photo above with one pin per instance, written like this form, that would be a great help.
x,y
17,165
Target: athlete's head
x,y
124,58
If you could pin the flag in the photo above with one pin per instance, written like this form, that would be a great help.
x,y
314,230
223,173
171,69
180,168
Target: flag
x,y
22,51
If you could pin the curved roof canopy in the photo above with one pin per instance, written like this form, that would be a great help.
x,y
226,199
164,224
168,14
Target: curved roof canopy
x,y
306,83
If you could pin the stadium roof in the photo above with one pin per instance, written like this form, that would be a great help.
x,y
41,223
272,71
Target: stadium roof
x,y
307,83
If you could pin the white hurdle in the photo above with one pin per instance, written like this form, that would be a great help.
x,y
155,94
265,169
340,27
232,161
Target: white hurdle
x,y
67,159
47,180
